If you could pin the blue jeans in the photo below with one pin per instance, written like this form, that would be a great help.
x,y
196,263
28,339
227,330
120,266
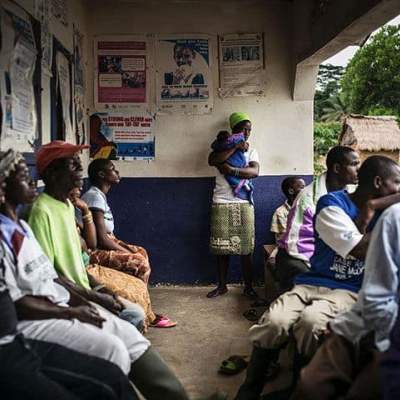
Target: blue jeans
x,y
134,314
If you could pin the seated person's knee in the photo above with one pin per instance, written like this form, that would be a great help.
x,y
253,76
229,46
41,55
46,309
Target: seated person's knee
x,y
275,320
134,314
113,349
310,321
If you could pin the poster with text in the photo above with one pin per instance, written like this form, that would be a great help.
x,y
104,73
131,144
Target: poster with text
x,y
42,14
122,136
79,88
64,86
184,80
121,72
17,63
241,65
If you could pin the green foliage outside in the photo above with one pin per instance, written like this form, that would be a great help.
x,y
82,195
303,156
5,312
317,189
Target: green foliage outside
x,y
325,137
328,109
328,86
370,85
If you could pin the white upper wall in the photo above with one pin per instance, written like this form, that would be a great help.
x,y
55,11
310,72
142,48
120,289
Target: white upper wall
x,y
282,128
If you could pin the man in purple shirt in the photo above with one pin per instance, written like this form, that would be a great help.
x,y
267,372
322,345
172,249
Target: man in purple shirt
x,y
297,245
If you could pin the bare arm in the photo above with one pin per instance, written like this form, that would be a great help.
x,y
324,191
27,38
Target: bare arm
x,y
249,172
89,233
217,158
79,293
365,217
88,228
35,308
99,286
360,250
103,241
367,212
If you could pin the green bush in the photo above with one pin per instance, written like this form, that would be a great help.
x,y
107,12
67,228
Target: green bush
x,y
326,135
371,81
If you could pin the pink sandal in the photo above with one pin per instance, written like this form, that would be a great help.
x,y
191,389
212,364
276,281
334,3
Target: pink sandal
x,y
162,321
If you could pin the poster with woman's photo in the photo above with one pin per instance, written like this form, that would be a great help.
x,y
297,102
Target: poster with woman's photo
x,y
241,65
184,80
121,72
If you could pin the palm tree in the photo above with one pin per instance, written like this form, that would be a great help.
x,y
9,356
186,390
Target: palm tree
x,y
335,109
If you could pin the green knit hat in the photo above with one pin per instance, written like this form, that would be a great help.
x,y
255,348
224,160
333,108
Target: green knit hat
x,y
237,117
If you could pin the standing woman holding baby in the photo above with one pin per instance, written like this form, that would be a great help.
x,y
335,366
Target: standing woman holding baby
x,y
232,210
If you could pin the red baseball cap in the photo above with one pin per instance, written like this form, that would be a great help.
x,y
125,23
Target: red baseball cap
x,y
55,150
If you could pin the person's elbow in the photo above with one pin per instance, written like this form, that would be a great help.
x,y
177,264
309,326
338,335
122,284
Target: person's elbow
x,y
254,170
92,244
23,307
254,173
359,252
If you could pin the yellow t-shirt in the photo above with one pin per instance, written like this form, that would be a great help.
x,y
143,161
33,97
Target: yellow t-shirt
x,y
53,223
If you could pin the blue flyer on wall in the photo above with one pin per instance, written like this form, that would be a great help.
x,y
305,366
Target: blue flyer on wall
x,y
119,136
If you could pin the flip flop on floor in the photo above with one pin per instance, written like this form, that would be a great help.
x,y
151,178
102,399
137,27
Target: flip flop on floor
x,y
233,365
162,321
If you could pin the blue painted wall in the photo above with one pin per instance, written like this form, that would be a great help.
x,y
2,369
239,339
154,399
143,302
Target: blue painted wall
x,y
170,218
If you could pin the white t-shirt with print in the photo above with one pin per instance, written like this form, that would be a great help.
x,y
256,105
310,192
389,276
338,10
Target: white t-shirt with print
x,y
223,192
31,273
95,198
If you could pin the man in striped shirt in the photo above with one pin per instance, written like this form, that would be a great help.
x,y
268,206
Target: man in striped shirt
x,y
297,245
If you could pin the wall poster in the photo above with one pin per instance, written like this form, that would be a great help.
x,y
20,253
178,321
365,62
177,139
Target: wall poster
x,y
42,14
59,10
122,136
79,88
184,79
241,65
64,86
17,63
121,72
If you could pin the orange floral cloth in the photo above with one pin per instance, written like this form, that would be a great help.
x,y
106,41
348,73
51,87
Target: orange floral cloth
x,y
124,285
134,261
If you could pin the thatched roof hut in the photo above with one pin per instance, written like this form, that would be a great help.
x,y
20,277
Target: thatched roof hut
x,y
372,135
